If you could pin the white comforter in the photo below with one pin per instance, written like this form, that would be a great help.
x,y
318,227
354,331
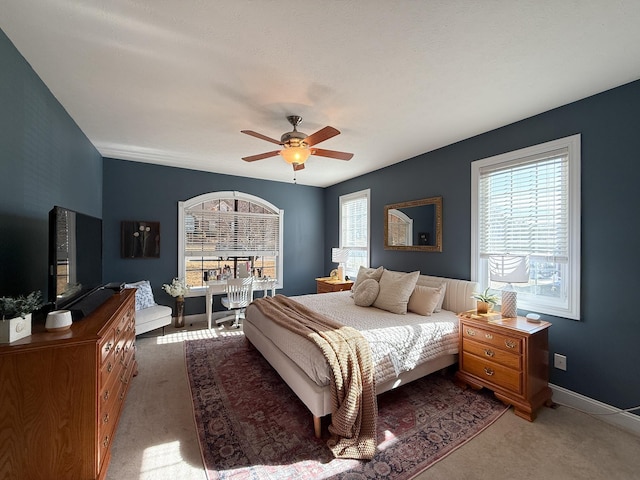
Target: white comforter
x,y
398,342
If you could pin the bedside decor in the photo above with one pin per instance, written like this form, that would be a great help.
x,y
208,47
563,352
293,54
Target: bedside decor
x,y
16,316
509,269
177,289
340,256
486,301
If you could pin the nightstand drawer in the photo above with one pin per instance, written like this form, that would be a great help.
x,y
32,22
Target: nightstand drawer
x,y
492,372
508,359
504,342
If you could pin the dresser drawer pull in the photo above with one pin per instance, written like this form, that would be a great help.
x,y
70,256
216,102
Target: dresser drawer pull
x,y
124,380
471,333
122,394
105,418
109,367
489,353
488,371
118,331
118,349
488,336
510,343
105,442
105,396
108,346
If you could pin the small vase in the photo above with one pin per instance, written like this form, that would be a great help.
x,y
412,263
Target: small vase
x,y
483,307
179,315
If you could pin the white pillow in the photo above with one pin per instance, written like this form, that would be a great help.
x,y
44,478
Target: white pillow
x,y
424,300
434,283
144,294
365,273
366,293
395,290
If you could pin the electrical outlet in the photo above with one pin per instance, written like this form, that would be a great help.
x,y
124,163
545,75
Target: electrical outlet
x,y
560,361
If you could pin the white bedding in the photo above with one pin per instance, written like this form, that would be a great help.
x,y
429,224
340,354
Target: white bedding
x,y
398,342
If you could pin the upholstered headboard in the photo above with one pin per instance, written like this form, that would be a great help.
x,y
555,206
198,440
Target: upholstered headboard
x,y
457,297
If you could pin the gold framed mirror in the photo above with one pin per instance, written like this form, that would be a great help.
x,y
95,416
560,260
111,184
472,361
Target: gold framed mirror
x,y
414,225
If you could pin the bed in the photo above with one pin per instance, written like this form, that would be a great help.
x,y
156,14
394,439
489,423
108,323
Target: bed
x,y
404,347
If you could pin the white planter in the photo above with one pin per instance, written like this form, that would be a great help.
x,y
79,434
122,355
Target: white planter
x,y
14,329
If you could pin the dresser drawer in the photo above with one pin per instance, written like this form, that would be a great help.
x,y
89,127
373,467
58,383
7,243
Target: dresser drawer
x,y
107,345
488,352
503,342
492,372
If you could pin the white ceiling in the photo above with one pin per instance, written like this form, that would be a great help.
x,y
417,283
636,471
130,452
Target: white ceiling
x,y
173,82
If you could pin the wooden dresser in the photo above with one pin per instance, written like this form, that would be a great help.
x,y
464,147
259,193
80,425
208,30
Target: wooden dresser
x,y
328,284
62,393
509,356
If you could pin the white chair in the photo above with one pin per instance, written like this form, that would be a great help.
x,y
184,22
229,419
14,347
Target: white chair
x,y
239,296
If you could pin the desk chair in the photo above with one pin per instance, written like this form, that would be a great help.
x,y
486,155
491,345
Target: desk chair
x,y
239,296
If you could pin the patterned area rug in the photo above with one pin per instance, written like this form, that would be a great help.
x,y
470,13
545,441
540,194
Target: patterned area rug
x,y
252,426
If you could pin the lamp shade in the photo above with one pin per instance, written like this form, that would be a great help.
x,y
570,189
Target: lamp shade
x,y
509,268
297,155
339,255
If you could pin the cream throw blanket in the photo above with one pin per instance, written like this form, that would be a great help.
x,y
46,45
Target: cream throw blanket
x,y
354,407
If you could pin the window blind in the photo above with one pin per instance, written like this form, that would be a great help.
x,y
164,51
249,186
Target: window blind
x,y
524,207
230,234
354,222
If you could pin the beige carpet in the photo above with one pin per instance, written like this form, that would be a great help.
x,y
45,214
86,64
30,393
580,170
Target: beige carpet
x,y
156,436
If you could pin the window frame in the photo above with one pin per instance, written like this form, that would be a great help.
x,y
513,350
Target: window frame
x,y
569,308
230,195
350,270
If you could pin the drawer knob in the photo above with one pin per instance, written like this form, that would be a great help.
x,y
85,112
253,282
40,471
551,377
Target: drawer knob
x,y
105,442
510,343
489,353
106,395
488,371
471,333
108,346
109,367
105,418
488,336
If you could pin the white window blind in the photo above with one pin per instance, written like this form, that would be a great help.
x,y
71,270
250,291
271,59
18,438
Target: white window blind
x,y
228,234
354,230
524,208
527,202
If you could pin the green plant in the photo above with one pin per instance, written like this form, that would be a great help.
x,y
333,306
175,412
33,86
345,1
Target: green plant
x,y
486,297
21,306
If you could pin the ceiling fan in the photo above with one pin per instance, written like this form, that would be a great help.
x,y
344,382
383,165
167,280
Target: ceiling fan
x,y
298,145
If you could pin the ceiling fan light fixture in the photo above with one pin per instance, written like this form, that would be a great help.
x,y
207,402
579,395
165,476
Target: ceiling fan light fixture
x,y
293,155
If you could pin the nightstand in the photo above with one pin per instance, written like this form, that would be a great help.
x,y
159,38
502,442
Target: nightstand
x,y
509,356
328,284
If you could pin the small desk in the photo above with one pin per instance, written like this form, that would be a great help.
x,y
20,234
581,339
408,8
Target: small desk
x,y
218,287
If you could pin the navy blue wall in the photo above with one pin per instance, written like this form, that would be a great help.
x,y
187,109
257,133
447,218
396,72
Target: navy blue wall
x,y
45,160
145,192
603,346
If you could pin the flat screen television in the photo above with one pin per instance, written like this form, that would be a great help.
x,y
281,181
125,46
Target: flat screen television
x,y
75,257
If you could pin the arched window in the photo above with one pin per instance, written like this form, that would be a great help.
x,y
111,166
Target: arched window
x,y
222,232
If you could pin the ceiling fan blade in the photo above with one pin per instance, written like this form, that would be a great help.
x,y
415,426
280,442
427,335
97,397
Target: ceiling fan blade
x,y
321,135
298,166
263,137
321,152
260,156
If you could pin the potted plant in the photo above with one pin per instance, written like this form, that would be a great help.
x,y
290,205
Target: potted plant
x,y
486,301
16,316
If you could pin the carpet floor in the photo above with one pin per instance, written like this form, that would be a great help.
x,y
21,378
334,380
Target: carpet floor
x,y
250,425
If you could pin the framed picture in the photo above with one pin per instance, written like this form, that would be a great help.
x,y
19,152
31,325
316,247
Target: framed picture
x,y
140,239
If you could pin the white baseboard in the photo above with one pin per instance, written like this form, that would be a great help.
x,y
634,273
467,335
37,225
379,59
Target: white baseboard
x,y
624,420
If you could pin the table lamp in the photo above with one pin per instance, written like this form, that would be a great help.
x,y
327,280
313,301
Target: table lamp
x,y
509,269
340,256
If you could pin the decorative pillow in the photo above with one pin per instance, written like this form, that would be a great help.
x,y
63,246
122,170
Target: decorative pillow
x,y
424,300
434,283
365,273
366,293
144,294
395,290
